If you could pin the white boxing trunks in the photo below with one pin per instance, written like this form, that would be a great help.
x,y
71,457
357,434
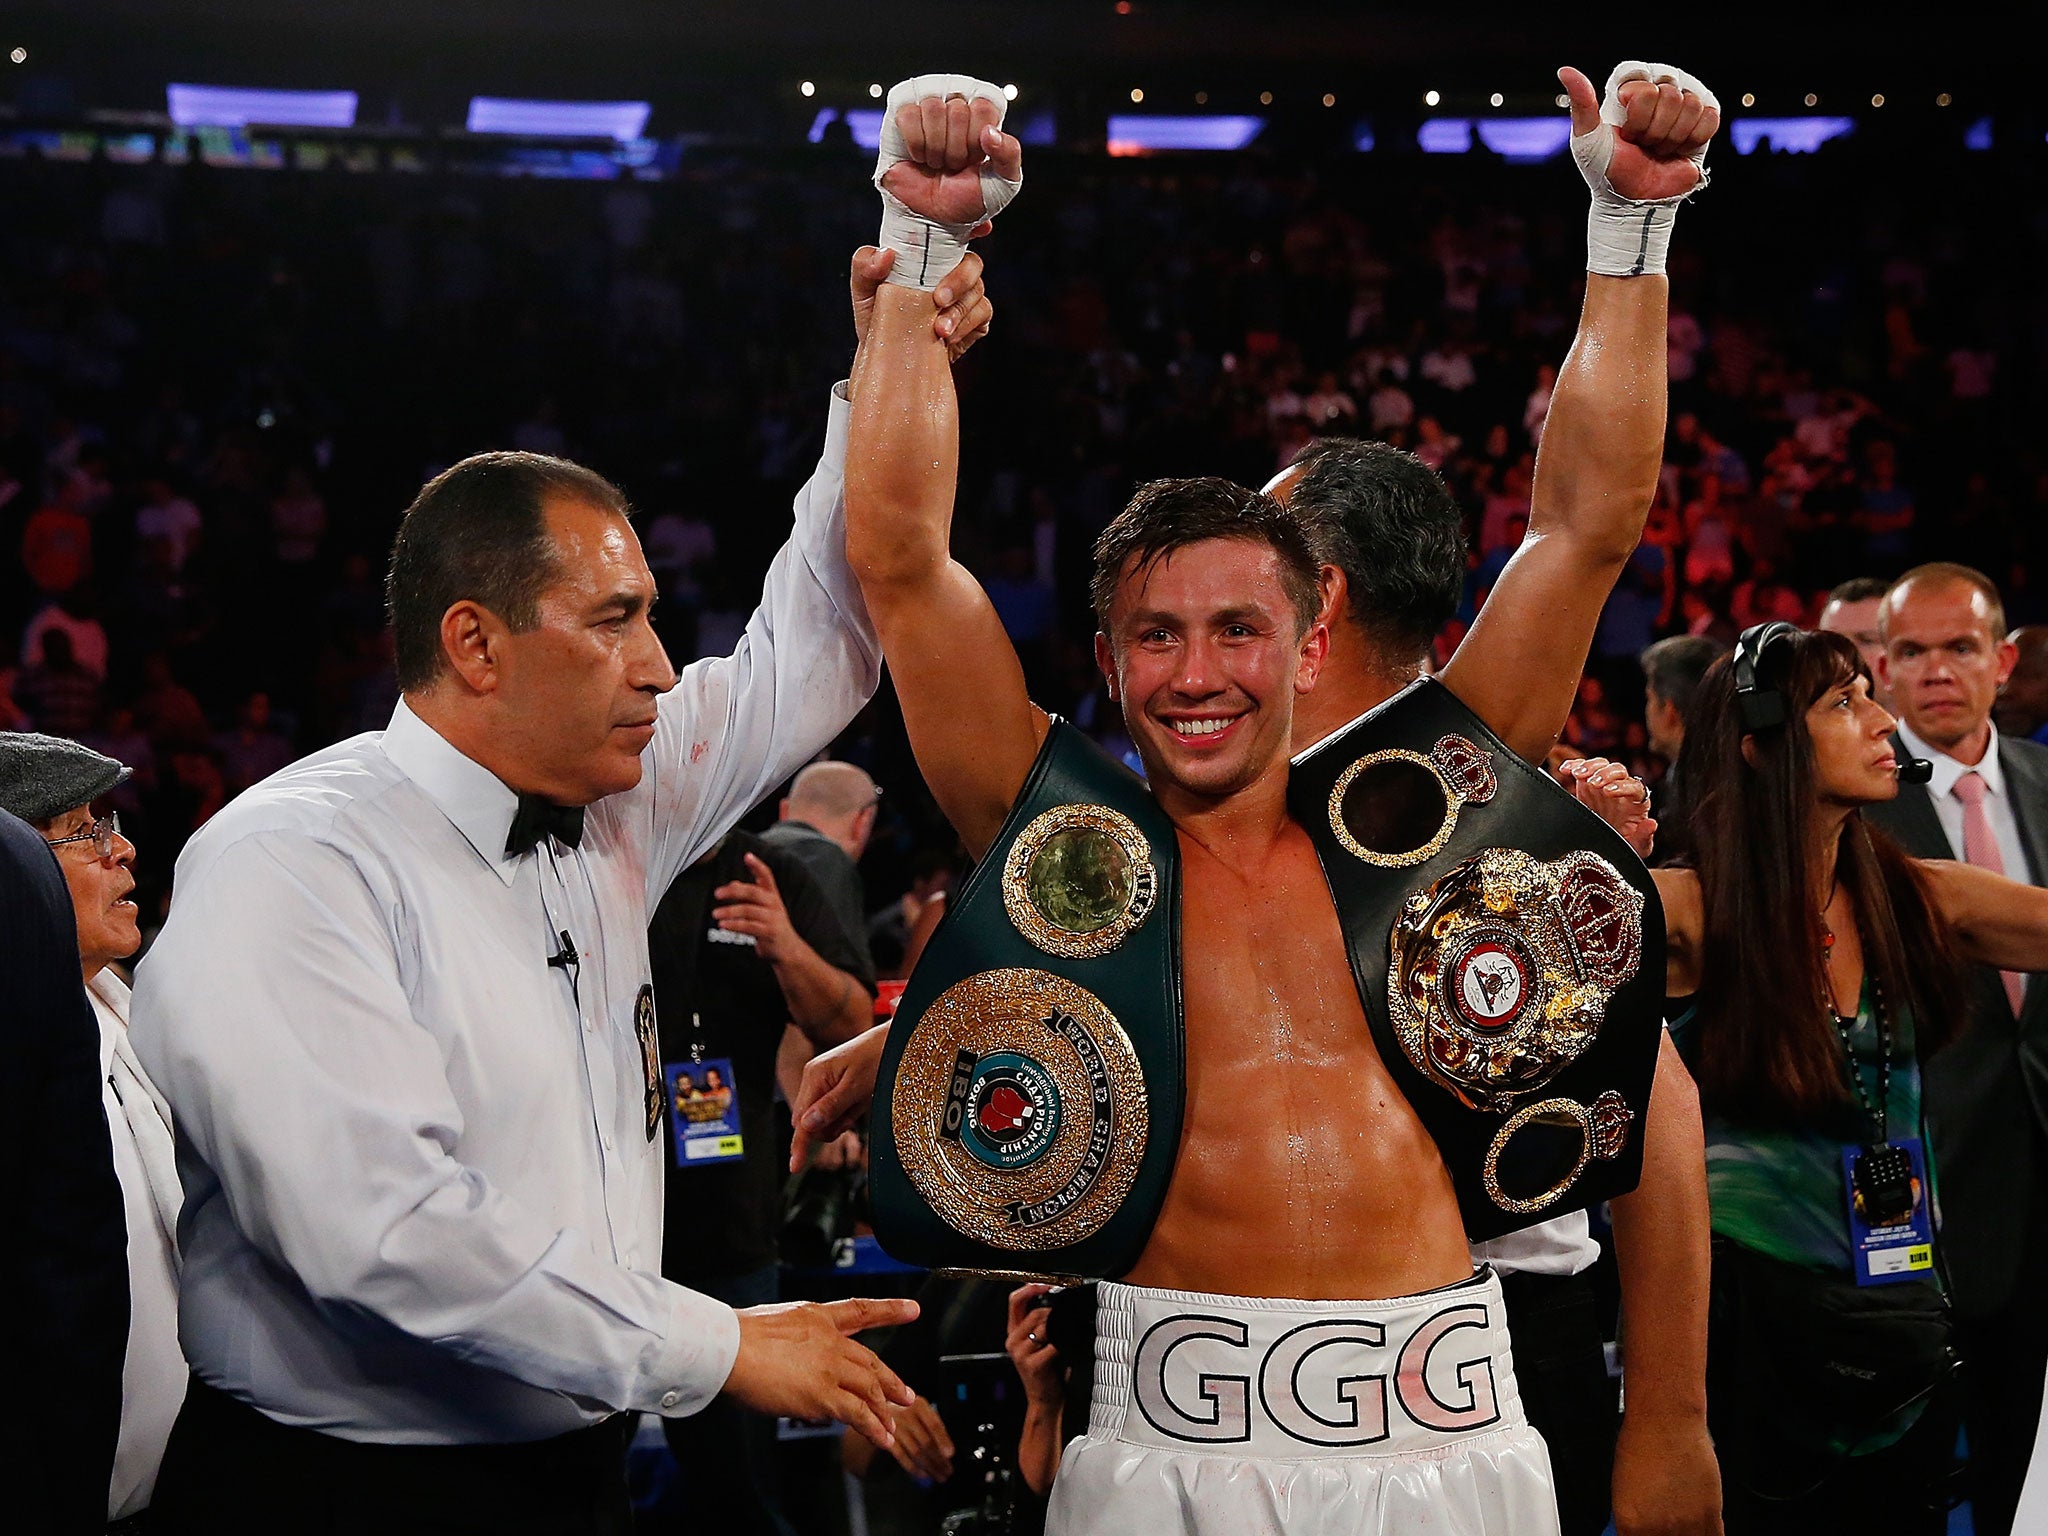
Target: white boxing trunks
x,y
1236,1415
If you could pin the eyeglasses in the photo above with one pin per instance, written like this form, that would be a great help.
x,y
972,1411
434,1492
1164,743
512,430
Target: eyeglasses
x,y
100,834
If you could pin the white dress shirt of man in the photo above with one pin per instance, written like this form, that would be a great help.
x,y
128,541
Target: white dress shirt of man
x,y
401,1003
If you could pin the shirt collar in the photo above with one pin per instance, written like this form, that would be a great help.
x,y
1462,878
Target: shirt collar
x,y
479,802
1947,769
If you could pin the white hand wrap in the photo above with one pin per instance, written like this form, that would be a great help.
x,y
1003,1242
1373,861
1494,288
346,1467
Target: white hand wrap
x,y
1626,238
925,251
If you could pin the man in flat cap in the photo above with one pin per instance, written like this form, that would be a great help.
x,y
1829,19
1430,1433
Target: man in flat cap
x,y
66,1287
54,785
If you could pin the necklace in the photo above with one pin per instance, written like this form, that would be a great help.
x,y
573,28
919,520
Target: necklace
x,y
1878,1114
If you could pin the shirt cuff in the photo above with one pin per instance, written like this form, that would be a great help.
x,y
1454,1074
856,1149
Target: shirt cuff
x,y
696,1357
820,530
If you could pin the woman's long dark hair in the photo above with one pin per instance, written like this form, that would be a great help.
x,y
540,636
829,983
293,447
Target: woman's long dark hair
x,y
1769,1053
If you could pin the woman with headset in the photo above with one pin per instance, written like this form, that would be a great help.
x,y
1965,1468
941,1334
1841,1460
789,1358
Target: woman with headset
x,y
1812,968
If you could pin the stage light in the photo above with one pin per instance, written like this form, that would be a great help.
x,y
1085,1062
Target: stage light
x,y
1123,7
1136,135
1201,98
1265,98
1009,93
1877,101
875,91
1812,100
1496,98
864,124
619,121
217,106
20,55
1563,100
1445,136
1979,135
1431,98
1944,99
1749,98
1329,100
808,89
1787,135
1525,140
1137,95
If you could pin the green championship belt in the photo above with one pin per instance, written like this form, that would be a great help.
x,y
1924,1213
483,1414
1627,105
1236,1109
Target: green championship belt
x,y
1508,947
1028,1110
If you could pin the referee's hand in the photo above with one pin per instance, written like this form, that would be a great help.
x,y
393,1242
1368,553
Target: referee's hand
x,y
799,1359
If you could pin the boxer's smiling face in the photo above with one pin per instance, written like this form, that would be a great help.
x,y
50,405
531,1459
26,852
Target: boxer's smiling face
x,y
1205,653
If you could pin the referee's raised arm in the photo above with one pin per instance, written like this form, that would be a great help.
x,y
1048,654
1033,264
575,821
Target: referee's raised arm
x,y
402,1008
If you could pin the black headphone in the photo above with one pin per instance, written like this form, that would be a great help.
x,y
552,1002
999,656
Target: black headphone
x,y
1763,706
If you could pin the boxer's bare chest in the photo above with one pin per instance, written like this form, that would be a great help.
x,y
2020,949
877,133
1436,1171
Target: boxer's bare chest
x,y
1302,1170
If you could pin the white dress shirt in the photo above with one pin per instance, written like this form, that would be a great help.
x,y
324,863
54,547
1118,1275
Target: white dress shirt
x,y
153,1373
1948,810
423,1198
1565,1244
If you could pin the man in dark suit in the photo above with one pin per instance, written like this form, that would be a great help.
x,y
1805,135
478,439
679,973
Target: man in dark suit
x,y
65,1286
1945,657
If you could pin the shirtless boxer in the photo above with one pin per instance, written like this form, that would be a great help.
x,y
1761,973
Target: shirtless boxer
x,y
1302,1171
1518,669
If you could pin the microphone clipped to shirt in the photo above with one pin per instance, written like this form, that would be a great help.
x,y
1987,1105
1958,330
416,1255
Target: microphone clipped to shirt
x,y
566,956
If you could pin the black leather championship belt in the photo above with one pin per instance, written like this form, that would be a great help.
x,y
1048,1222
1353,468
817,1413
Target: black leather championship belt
x,y
1508,947
1028,1111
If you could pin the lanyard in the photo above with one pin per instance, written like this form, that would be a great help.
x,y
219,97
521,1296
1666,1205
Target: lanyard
x,y
1878,1114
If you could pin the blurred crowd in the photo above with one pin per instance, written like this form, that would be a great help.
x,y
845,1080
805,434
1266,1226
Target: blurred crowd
x,y
219,387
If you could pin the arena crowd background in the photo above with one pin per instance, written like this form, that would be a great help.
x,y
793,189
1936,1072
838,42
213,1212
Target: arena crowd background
x,y
229,354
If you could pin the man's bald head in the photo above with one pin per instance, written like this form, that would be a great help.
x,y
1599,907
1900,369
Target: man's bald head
x,y
836,798
1940,580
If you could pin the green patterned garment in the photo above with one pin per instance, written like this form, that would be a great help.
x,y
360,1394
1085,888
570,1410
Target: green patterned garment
x,y
1780,1192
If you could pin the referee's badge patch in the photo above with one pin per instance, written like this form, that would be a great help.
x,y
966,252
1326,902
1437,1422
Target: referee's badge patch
x,y
650,1055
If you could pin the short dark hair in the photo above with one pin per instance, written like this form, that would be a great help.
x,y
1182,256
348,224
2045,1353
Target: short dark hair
x,y
1858,589
1383,518
478,531
1166,515
1674,666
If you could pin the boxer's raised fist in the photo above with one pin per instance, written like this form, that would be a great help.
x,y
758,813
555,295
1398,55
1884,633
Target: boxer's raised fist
x,y
934,183
1661,128
1642,150
945,168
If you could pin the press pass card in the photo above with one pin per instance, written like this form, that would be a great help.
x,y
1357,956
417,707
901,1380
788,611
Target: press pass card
x,y
1891,1230
706,1112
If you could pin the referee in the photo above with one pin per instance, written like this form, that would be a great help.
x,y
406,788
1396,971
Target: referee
x,y
402,1010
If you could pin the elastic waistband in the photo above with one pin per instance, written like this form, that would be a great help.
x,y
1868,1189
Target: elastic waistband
x,y
1286,1380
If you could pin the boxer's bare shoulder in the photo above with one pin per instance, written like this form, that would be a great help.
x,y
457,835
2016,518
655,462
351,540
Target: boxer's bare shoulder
x,y
1303,1172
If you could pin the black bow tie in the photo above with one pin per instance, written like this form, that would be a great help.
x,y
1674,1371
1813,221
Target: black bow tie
x,y
537,818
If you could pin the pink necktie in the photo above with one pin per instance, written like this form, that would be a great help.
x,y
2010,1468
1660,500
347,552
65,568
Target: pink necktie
x,y
1980,848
